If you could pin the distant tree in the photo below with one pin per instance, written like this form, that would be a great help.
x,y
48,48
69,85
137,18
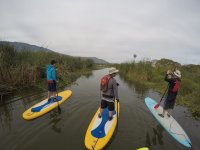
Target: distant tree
x,y
134,57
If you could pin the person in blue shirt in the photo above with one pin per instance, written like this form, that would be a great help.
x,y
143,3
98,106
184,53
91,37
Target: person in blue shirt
x,y
51,79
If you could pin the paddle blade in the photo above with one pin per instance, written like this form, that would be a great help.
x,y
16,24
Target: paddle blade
x,y
59,109
156,106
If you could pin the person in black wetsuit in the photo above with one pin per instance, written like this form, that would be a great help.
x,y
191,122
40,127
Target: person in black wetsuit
x,y
174,80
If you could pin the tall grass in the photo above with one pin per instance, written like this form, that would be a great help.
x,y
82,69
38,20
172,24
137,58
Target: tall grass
x,y
25,68
152,76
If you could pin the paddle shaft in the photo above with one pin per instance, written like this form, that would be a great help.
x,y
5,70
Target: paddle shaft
x,y
157,105
175,67
164,94
59,109
117,113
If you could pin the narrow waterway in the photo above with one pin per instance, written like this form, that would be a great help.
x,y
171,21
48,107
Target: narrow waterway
x,y
66,131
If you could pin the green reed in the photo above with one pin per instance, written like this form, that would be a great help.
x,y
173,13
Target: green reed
x,y
151,74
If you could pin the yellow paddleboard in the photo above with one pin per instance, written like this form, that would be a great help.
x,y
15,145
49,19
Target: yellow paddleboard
x,y
45,106
144,148
101,129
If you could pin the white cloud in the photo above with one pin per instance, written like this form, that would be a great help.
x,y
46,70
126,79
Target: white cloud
x,y
112,30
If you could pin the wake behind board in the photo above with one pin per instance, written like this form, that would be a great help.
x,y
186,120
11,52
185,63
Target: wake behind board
x,y
168,123
45,106
101,129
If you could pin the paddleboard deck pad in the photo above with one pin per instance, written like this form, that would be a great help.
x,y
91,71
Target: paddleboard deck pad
x,y
46,105
101,129
168,123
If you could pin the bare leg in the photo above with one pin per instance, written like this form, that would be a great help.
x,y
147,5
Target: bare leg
x,y
101,110
54,94
110,116
169,112
164,112
110,113
49,94
100,113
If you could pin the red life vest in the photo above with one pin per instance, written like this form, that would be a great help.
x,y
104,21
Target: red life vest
x,y
104,83
176,86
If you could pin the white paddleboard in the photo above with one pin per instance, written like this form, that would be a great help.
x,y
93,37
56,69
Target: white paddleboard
x,y
168,123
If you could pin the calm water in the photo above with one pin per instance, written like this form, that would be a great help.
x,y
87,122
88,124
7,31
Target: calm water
x,y
137,127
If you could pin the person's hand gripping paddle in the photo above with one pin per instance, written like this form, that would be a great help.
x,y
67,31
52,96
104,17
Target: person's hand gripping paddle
x,y
157,105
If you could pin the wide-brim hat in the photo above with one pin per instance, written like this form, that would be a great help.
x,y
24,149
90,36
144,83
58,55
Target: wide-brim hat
x,y
113,70
177,73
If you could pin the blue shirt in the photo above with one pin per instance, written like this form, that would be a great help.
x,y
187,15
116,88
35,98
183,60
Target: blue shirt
x,y
51,72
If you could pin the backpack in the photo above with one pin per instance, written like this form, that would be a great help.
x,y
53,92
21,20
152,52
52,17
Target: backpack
x,y
176,86
104,83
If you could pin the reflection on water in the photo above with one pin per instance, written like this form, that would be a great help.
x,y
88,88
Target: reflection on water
x,y
155,138
136,86
148,140
6,116
157,135
55,126
88,74
137,127
10,105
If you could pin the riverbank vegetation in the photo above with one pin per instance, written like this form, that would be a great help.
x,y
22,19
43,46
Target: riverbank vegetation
x,y
19,69
151,74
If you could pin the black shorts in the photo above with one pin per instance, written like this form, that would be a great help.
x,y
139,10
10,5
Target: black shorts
x,y
108,104
169,104
52,87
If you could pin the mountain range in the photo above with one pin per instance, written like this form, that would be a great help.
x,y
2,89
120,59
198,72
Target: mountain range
x,y
19,46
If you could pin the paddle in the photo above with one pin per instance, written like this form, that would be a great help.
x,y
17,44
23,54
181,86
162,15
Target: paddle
x,y
157,105
59,109
117,112
117,108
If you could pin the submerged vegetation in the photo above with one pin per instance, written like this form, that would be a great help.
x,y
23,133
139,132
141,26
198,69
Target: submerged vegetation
x,y
19,69
151,74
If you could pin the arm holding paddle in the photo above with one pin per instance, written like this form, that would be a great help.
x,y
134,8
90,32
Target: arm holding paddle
x,y
168,77
174,82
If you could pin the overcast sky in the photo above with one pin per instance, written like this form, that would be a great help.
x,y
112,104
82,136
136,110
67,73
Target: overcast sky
x,y
112,30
